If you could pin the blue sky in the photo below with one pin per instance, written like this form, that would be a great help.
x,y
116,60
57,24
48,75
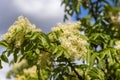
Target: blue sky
x,y
43,13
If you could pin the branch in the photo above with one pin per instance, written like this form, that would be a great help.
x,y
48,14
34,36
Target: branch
x,y
38,72
72,67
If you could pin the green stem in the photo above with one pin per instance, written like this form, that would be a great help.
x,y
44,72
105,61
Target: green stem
x,y
38,72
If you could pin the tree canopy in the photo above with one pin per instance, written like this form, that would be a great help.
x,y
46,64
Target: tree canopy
x,y
88,49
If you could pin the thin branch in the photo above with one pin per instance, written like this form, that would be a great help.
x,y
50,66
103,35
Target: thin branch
x,y
72,67
38,72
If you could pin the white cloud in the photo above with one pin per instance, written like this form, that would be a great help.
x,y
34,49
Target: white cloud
x,y
30,6
43,13
40,8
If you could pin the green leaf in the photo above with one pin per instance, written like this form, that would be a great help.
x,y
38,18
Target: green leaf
x,y
88,56
83,36
101,63
109,54
23,57
37,51
65,18
94,36
4,57
15,58
111,43
34,35
83,66
96,73
4,43
15,54
55,49
105,37
93,58
58,54
117,74
78,8
9,52
29,46
66,54
45,42
102,54
52,36
114,54
0,64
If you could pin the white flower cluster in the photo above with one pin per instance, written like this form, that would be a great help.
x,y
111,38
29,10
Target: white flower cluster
x,y
20,77
117,45
27,73
115,20
31,72
16,66
67,29
17,31
115,17
70,38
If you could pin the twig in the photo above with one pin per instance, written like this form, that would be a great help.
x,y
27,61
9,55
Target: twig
x,y
38,72
72,67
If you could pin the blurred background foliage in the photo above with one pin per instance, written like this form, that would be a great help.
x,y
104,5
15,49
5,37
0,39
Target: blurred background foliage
x,y
102,26
102,15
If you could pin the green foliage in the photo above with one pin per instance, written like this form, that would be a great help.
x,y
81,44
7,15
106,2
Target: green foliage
x,y
96,73
65,53
94,7
0,64
3,43
101,26
4,57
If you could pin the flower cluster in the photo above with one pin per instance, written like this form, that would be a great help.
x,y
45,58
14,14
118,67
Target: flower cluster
x,y
18,30
16,66
27,74
22,67
70,38
67,29
117,45
31,72
115,21
115,17
19,77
